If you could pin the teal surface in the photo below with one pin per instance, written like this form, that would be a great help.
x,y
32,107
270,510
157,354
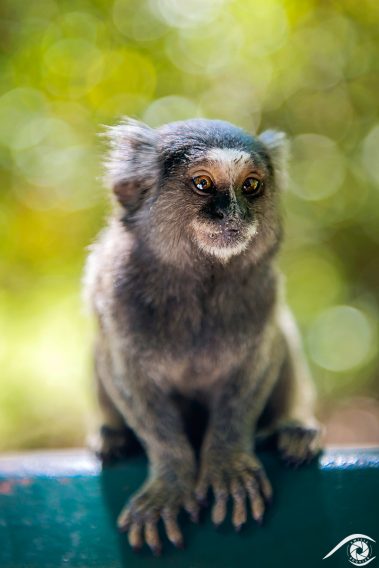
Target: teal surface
x,y
59,509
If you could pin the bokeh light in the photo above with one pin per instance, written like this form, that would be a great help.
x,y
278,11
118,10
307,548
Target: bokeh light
x,y
370,151
317,167
340,339
69,68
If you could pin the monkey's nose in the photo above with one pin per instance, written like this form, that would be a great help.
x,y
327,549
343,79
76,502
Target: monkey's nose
x,y
226,219
219,213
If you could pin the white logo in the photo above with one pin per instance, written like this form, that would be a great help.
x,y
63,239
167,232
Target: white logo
x,y
359,549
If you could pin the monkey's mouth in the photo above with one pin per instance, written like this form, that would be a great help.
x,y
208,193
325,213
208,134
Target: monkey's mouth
x,y
225,240
224,236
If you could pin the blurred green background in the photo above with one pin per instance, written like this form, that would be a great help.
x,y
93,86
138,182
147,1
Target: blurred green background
x,y
68,67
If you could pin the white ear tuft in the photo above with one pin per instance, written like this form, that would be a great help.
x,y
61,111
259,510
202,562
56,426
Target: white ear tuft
x,y
132,161
278,148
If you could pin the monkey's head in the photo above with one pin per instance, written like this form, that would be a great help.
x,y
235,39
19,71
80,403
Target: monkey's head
x,y
198,187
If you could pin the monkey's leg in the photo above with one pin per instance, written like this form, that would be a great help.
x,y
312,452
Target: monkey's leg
x,y
298,433
229,465
292,402
115,440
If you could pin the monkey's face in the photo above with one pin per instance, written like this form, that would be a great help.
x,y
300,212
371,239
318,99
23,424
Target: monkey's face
x,y
209,187
229,195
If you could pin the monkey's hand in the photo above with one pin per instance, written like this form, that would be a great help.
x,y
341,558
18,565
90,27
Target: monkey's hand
x,y
161,497
239,475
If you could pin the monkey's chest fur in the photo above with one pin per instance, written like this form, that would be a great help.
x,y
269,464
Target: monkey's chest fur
x,y
189,331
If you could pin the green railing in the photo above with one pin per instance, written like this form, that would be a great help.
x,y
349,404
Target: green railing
x,y
58,509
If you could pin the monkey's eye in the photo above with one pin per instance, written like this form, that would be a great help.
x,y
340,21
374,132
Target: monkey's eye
x,y
203,184
251,186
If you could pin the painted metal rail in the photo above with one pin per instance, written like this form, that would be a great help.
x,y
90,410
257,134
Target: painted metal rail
x,y
58,509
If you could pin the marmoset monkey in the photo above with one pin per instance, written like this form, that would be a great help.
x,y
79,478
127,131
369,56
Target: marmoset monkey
x,y
186,294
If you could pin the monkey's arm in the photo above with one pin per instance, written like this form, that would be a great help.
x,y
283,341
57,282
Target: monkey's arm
x,y
228,463
155,420
128,396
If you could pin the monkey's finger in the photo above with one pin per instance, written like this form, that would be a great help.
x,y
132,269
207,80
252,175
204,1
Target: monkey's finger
x,y
239,504
264,484
152,538
202,489
256,501
219,507
314,448
307,444
124,519
192,508
174,534
287,441
283,440
135,536
290,445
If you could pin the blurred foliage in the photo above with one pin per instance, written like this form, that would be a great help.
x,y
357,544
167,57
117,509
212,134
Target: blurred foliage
x,y
69,66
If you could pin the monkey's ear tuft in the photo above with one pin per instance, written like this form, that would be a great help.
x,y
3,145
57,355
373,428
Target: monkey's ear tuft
x,y
132,166
277,146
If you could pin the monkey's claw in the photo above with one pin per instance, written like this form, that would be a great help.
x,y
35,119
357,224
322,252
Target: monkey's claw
x,y
241,477
157,500
298,443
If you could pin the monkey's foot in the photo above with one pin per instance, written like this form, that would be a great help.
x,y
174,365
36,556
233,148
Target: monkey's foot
x,y
158,499
240,476
111,445
298,443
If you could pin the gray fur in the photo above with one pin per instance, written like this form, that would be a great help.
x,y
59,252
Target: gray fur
x,y
186,295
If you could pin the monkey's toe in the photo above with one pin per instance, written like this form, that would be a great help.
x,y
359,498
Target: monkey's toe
x,y
112,445
298,443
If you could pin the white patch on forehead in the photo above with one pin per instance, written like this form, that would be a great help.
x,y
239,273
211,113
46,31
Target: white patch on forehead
x,y
230,161
227,155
